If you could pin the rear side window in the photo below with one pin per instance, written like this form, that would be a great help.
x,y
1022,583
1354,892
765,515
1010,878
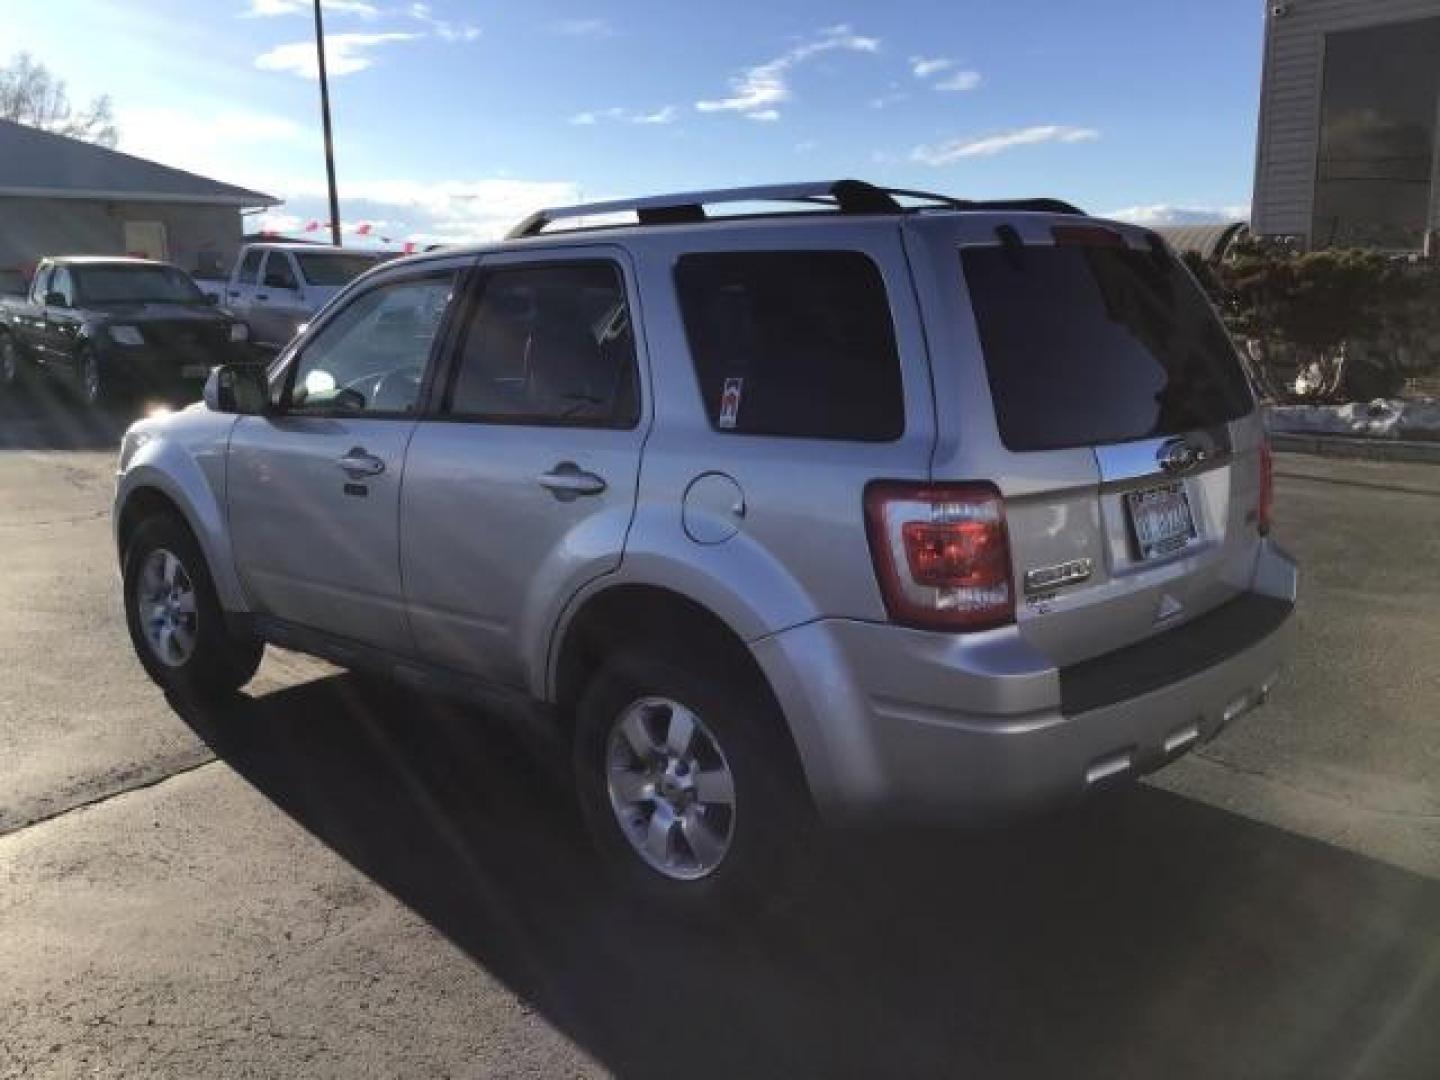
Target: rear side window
x,y
793,343
1087,345
250,268
279,274
549,344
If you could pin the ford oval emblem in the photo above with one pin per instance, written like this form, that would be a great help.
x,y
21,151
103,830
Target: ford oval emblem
x,y
1180,455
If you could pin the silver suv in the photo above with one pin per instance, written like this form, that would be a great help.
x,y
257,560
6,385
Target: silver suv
x,y
888,505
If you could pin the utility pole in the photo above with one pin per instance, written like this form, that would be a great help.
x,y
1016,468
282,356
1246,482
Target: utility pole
x,y
325,118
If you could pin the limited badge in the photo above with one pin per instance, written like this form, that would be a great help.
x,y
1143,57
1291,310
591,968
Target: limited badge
x,y
730,402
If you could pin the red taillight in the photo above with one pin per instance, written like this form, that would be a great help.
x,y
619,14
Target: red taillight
x,y
1266,505
941,554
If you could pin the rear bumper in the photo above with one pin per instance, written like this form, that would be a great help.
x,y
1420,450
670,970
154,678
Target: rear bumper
x,y
892,722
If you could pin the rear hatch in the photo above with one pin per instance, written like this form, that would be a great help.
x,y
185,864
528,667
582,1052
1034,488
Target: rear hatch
x,y
1079,368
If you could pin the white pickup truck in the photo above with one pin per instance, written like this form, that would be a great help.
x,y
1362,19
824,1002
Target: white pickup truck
x,y
277,287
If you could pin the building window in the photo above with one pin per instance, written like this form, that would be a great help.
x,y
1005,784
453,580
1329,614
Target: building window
x,y
1377,136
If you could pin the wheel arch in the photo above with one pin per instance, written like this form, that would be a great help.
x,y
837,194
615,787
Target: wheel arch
x,y
628,615
171,482
143,502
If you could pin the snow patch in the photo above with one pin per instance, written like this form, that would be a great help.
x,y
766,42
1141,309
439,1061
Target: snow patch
x,y
1383,418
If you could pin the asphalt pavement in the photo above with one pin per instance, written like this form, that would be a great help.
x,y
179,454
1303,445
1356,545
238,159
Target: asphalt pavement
x,y
333,877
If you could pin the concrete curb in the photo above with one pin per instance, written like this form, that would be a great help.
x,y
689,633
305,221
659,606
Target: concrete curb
x,y
1345,446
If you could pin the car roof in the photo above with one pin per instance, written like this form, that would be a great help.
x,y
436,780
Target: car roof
x,y
303,247
821,205
93,260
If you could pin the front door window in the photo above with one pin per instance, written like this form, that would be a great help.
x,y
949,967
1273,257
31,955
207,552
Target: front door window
x,y
371,357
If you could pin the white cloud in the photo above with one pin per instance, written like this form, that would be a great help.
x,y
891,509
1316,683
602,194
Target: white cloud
x,y
345,54
271,222
267,8
805,146
960,81
953,150
893,97
591,28
756,91
442,28
243,146
1161,214
923,67
666,114
220,144
449,211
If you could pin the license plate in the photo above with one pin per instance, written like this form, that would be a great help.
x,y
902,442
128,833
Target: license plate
x,y
195,371
1161,519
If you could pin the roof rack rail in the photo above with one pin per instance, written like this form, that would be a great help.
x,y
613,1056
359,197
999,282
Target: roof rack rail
x,y
843,196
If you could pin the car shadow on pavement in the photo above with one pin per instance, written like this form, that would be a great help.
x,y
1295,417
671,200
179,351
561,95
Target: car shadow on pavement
x,y
1141,934
44,416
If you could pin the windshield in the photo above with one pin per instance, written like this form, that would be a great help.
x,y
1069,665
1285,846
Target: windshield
x,y
135,284
333,268
1089,345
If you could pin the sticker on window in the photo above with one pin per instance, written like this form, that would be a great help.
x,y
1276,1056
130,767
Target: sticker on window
x,y
730,402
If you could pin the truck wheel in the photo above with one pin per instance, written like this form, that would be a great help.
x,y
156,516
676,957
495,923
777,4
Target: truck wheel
x,y
176,624
12,364
689,785
95,380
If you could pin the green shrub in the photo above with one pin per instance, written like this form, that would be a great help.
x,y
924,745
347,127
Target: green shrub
x,y
1345,323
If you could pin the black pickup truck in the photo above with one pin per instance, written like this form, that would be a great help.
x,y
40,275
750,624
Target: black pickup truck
x,y
117,329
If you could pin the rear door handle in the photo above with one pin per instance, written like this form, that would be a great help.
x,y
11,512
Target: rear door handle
x,y
357,463
568,481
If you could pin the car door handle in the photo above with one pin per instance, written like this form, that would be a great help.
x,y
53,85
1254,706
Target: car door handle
x,y
568,481
358,463
262,296
234,292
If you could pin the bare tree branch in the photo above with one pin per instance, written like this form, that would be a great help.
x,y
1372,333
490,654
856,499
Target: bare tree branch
x,y
30,94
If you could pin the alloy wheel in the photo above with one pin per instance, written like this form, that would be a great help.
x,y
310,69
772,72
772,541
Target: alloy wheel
x,y
671,788
93,388
165,598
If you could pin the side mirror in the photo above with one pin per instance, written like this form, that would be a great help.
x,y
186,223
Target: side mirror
x,y
211,298
237,388
56,299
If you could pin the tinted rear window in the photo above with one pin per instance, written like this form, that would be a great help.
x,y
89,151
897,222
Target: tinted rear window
x,y
333,268
1087,345
793,343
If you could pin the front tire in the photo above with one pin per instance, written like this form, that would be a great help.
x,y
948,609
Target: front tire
x,y
689,785
176,624
12,363
95,380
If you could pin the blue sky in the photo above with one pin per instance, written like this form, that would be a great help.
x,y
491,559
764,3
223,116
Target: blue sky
x,y
454,117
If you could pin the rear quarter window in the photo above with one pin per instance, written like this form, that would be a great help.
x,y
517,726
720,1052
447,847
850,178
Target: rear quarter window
x,y
1087,345
797,343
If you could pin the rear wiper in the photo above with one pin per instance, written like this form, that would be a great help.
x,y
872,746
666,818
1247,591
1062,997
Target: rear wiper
x,y
1012,245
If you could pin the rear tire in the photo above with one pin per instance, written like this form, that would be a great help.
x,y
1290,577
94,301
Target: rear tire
x,y
176,624
717,828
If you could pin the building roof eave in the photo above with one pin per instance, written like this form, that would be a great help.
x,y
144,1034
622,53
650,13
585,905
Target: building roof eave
x,y
242,200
